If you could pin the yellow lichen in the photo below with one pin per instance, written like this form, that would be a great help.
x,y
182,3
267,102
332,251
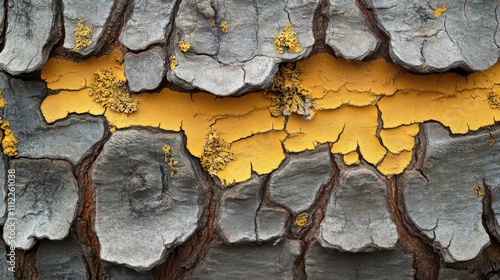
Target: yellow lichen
x,y
478,191
111,92
494,99
492,141
287,38
112,129
82,35
287,94
183,46
439,10
9,141
301,220
2,100
171,162
216,153
173,62
224,26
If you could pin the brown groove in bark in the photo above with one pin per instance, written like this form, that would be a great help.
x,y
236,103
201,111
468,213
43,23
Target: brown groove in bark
x,y
382,50
26,263
85,221
318,214
319,30
425,261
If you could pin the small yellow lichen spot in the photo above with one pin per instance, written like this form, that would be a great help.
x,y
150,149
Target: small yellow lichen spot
x,y
9,141
478,191
110,92
439,10
224,26
301,220
492,141
82,35
287,38
183,46
216,153
424,65
112,129
494,99
173,62
2,100
171,162
351,158
287,94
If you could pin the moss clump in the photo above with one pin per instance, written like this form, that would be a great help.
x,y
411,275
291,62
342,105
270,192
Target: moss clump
x,y
216,153
9,141
171,162
287,38
82,35
287,94
183,46
224,27
110,92
494,100
173,62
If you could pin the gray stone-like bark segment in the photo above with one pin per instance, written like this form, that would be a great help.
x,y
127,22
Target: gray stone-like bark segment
x,y
347,31
100,14
324,263
295,184
244,58
139,205
228,262
33,29
463,35
149,23
38,139
145,70
46,200
7,263
243,218
59,259
357,216
115,272
441,200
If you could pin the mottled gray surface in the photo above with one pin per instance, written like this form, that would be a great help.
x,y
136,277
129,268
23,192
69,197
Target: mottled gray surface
x,y
145,70
115,272
330,264
100,14
67,139
249,261
139,205
242,217
347,31
295,184
455,274
147,24
33,29
46,200
219,62
61,260
440,199
463,35
357,216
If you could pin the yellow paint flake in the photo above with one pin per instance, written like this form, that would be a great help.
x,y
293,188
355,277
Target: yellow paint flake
x,y
110,92
364,110
287,39
439,10
216,153
183,46
171,162
351,158
9,141
224,26
301,220
82,35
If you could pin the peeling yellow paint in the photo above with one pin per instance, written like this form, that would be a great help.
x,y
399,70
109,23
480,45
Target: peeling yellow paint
x,y
439,10
287,39
364,110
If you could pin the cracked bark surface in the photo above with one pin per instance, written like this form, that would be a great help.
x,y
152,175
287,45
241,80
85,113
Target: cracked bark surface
x,y
311,217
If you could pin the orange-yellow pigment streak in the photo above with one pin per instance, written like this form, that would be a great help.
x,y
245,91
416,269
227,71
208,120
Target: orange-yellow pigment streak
x,y
369,110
